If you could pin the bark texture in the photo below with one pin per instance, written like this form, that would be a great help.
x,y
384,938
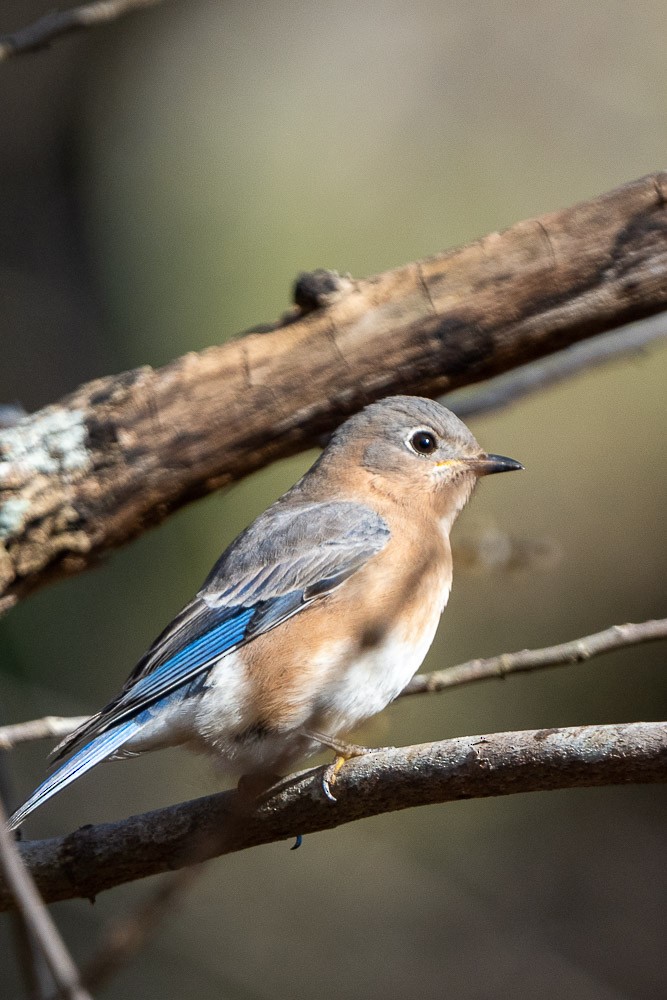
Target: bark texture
x,y
119,454
95,858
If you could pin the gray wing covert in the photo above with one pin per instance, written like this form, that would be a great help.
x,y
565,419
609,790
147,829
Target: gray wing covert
x,y
307,548
292,555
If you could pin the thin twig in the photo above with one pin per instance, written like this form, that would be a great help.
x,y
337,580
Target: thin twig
x,y
41,33
36,917
30,960
50,727
523,661
94,858
576,651
515,385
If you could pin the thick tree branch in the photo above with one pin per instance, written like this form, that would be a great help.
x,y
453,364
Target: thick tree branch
x,y
120,454
41,33
95,858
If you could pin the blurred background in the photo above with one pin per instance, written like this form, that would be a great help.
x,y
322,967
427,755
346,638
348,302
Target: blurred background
x,y
162,181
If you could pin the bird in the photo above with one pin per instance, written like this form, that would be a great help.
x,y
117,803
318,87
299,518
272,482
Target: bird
x,y
314,618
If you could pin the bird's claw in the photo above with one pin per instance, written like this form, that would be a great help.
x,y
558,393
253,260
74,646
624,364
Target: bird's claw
x,y
332,771
330,775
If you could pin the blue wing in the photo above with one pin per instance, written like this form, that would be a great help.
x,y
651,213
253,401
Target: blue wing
x,y
291,556
126,715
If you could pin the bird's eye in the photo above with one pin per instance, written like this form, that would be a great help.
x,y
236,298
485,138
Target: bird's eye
x,y
424,442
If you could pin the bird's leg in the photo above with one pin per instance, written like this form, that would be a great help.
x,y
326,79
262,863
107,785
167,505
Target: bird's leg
x,y
341,747
344,751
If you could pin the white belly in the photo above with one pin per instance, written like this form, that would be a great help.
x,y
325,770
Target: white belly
x,y
366,683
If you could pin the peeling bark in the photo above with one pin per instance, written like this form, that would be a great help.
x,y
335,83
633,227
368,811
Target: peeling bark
x,y
121,453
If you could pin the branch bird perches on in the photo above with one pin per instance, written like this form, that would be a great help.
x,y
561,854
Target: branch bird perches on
x,y
92,859
95,858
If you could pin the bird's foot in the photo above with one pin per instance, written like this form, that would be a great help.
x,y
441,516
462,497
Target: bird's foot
x,y
344,751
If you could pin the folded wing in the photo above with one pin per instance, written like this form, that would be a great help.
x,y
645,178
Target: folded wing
x,y
292,555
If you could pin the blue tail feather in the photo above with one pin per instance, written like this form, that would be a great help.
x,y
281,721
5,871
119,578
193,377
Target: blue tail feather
x,y
99,749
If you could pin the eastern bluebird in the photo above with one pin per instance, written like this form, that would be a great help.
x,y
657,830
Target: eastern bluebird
x,y
315,617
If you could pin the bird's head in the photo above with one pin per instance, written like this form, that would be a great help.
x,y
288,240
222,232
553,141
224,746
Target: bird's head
x,y
416,449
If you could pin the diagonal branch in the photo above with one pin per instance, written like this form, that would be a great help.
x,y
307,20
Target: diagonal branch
x,y
47,29
34,971
27,900
529,379
95,470
95,858
525,660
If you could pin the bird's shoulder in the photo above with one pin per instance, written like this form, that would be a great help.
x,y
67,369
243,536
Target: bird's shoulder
x,y
290,543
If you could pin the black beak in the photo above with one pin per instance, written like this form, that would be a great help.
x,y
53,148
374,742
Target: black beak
x,y
486,465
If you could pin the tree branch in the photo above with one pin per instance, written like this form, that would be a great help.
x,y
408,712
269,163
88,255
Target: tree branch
x,y
38,981
50,727
531,378
118,455
525,660
95,858
41,33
